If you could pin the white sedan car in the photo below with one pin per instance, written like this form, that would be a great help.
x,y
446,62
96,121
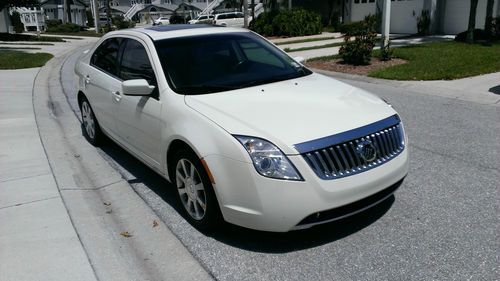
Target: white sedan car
x,y
244,132
162,21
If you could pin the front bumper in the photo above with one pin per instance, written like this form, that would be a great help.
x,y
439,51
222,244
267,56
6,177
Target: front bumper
x,y
251,200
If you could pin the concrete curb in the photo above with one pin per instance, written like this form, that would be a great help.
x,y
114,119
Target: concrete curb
x,y
101,204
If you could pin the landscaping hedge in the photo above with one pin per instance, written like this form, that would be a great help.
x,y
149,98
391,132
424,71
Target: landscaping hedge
x,y
56,26
295,22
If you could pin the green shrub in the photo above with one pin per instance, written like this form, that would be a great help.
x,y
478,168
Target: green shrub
x,y
64,28
121,23
479,35
370,23
359,50
15,19
295,22
424,23
53,23
90,18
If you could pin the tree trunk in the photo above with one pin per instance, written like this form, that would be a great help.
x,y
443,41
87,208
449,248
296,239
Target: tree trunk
x,y
108,15
488,24
253,9
472,21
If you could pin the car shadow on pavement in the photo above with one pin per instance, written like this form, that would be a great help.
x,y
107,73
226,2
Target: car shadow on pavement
x,y
495,90
269,242
240,237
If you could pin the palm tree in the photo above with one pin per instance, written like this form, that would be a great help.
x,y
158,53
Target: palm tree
x,y
488,25
472,22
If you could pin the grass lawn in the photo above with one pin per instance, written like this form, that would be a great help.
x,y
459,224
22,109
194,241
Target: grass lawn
x,y
25,37
86,33
445,60
17,59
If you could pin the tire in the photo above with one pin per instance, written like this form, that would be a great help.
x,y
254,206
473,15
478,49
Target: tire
x,y
90,127
194,191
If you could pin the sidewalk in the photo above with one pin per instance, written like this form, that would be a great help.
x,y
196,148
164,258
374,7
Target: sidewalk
x,y
63,208
37,239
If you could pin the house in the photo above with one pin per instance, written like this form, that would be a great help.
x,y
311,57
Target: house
x,y
54,9
447,16
5,25
140,10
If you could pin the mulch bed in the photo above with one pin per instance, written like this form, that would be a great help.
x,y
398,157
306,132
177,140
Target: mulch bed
x,y
339,66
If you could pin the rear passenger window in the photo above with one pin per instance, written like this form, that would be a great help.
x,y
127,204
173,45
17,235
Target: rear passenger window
x,y
105,56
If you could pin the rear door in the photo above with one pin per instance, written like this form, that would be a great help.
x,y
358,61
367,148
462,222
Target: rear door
x,y
101,81
138,117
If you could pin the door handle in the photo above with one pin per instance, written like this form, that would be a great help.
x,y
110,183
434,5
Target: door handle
x,y
117,96
87,80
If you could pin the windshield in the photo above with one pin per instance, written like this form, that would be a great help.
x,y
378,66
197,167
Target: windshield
x,y
221,62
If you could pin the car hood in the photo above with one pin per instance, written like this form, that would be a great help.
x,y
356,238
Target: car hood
x,y
292,111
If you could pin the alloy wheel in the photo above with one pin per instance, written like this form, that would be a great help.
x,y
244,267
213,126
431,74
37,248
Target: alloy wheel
x,y
88,120
191,189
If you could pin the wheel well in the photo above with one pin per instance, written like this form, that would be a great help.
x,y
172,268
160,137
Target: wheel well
x,y
175,146
80,97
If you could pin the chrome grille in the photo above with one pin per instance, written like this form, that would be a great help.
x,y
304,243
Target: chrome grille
x,y
349,157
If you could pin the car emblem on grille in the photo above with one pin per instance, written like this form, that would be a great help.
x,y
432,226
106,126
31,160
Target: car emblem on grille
x,y
366,151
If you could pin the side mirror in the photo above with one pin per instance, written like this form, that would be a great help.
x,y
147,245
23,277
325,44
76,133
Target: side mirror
x,y
137,87
300,60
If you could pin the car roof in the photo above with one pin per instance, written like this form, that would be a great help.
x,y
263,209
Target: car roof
x,y
179,30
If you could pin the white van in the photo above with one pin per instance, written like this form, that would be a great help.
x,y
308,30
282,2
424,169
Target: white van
x,y
233,19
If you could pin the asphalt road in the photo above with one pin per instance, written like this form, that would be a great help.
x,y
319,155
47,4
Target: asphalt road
x,y
442,224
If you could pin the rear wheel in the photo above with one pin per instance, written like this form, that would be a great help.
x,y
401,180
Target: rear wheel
x,y
195,191
90,126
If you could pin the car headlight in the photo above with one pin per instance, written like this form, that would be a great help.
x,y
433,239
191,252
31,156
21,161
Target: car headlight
x,y
268,159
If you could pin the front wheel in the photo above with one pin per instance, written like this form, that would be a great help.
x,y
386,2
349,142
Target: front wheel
x,y
195,191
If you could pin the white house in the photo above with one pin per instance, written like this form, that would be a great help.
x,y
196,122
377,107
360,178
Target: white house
x,y
4,21
447,16
54,9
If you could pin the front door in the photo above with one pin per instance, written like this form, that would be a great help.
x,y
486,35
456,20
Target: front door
x,y
138,117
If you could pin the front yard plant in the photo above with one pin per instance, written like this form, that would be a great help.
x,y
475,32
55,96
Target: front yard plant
x,y
359,50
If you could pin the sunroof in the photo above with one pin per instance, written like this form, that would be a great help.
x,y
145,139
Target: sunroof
x,y
173,27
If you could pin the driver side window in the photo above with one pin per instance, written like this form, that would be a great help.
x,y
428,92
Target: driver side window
x,y
135,64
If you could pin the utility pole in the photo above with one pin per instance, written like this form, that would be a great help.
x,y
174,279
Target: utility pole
x,y
289,4
386,23
65,11
245,13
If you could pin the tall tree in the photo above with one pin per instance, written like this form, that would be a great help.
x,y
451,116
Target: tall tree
x,y
488,24
472,21
17,3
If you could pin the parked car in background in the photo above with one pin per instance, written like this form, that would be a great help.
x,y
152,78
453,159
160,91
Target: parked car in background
x,y
202,19
244,132
162,21
234,19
